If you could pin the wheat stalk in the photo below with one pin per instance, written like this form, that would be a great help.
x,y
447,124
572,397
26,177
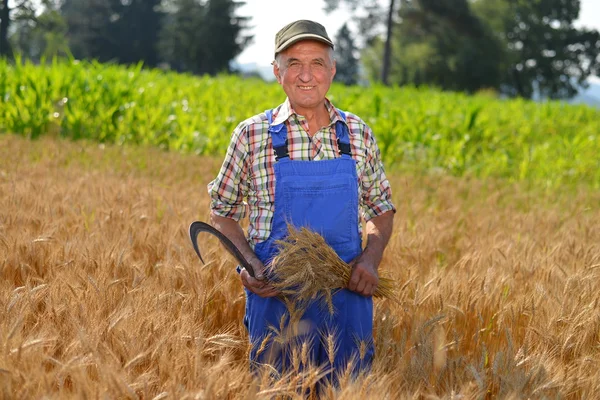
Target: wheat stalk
x,y
307,268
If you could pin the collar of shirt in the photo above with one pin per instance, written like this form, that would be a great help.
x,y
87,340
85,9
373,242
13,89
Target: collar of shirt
x,y
286,111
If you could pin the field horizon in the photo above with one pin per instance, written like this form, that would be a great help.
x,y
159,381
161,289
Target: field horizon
x,y
102,296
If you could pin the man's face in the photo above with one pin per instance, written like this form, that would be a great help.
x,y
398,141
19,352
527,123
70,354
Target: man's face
x,y
305,71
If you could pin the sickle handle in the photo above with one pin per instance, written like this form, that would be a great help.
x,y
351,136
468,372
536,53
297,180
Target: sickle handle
x,y
197,226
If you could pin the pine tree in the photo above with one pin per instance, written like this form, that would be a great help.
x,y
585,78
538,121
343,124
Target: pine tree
x,y
5,50
139,27
113,30
346,60
203,37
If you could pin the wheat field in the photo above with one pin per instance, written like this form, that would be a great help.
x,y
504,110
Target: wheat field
x,y
102,296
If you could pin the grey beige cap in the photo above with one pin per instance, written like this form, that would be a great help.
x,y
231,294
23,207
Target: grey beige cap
x,y
300,30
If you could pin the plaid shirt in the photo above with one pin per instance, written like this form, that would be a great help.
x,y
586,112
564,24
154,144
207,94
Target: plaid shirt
x,y
246,181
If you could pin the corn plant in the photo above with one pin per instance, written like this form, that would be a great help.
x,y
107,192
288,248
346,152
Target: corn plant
x,y
418,129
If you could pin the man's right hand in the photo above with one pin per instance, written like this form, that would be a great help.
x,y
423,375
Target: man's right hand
x,y
258,285
234,232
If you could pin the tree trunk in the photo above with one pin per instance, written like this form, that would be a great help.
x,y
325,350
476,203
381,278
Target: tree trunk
x,y
5,50
387,54
517,81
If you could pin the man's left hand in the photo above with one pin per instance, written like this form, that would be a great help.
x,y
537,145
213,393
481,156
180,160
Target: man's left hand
x,y
364,278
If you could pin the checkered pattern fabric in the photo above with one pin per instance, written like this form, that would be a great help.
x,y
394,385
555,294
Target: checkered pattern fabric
x,y
245,185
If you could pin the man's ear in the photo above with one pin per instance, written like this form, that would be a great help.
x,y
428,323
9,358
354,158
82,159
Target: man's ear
x,y
276,72
333,70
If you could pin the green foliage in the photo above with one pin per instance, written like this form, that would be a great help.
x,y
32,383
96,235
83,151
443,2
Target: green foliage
x,y
346,60
370,16
43,37
546,55
203,37
113,30
198,36
5,49
442,44
417,129
519,47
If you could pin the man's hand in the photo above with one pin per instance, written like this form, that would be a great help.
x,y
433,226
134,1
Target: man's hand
x,y
364,278
257,285
234,232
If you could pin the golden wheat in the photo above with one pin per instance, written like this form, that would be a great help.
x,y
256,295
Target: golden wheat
x,y
307,268
101,294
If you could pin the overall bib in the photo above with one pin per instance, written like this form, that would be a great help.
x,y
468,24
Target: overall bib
x,y
323,196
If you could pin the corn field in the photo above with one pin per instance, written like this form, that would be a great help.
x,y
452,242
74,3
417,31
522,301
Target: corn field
x,y
418,130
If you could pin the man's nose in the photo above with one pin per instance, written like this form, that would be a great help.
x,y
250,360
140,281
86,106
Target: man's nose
x,y
306,73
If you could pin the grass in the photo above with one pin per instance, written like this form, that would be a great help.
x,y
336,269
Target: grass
x,y
101,294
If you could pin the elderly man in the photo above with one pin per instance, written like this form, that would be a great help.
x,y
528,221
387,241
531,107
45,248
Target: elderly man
x,y
306,163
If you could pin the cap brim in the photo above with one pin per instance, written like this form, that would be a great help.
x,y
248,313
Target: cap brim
x,y
304,36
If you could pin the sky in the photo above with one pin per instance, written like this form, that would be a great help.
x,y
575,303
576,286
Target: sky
x,y
268,16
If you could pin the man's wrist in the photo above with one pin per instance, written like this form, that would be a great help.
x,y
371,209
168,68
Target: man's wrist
x,y
372,255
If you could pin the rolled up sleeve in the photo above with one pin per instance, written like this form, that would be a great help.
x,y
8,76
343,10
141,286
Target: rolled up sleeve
x,y
229,189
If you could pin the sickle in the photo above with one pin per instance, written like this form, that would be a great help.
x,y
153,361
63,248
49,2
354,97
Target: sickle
x,y
196,227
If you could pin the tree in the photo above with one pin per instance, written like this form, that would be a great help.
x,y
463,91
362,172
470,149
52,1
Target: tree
x,y
180,34
546,55
442,44
22,10
224,36
42,35
140,23
373,18
5,49
114,30
203,37
93,28
387,53
346,60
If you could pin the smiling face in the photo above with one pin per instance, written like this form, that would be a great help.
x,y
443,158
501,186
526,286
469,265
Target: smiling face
x,y
305,70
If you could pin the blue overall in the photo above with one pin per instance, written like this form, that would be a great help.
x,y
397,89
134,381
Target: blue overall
x,y
323,196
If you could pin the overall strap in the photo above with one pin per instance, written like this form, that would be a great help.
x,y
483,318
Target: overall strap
x,y
341,131
278,137
280,142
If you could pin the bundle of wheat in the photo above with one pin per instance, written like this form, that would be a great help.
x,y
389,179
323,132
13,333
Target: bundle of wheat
x,y
307,268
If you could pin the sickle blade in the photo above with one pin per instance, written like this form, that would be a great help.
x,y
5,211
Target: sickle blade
x,y
197,226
